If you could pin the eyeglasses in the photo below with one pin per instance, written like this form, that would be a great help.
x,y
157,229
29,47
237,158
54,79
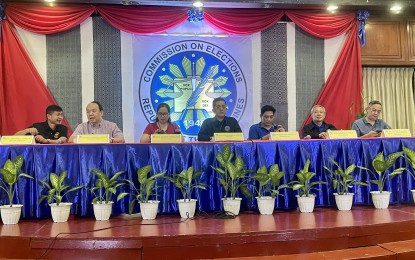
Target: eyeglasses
x,y
163,114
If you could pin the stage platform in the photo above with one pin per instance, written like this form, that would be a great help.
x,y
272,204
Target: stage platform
x,y
325,232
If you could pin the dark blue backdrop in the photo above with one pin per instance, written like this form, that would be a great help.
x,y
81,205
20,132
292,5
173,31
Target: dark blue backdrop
x,y
78,160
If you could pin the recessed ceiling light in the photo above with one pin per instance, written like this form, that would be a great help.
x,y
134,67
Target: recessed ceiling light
x,y
50,1
198,4
396,8
332,7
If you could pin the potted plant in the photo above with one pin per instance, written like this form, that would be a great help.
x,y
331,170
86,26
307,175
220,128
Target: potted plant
x,y
232,177
381,198
10,214
410,157
148,208
106,187
186,183
268,184
305,198
56,191
342,181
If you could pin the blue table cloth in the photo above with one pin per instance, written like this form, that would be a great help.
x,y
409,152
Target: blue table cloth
x,y
78,160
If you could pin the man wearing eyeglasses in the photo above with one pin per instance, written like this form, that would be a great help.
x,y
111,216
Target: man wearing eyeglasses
x,y
263,129
370,126
218,124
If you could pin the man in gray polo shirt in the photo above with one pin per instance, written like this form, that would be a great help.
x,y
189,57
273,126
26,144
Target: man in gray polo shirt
x,y
97,125
370,126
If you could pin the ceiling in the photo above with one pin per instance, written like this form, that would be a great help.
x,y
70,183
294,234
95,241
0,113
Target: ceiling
x,y
381,6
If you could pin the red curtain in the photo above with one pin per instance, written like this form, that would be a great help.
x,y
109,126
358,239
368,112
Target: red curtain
x,y
24,96
323,25
45,19
341,92
242,21
143,19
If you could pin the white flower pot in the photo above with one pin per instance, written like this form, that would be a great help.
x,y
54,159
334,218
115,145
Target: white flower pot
x,y
102,211
413,194
60,213
306,204
149,209
187,208
265,205
344,201
232,205
10,215
381,199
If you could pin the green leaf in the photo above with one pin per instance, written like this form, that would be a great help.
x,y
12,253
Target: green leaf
x,y
245,191
350,169
25,176
392,158
226,153
122,195
239,163
131,206
142,173
54,180
18,162
297,186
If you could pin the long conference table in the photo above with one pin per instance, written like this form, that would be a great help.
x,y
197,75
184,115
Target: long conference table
x,y
79,159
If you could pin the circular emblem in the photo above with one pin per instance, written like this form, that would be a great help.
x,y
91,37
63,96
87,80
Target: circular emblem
x,y
188,75
227,128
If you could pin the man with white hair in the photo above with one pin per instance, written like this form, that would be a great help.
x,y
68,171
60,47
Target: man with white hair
x,y
317,129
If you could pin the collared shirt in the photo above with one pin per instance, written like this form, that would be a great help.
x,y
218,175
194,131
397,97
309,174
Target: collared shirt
x,y
362,126
104,127
313,130
257,131
48,133
212,125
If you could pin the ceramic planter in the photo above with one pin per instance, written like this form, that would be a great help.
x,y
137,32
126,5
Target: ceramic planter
x,y
60,213
11,215
232,205
381,199
187,208
266,205
102,211
149,209
306,204
344,201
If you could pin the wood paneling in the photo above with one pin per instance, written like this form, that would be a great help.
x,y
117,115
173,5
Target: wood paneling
x,y
385,43
411,40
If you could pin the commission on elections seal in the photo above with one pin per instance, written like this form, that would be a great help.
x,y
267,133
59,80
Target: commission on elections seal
x,y
188,75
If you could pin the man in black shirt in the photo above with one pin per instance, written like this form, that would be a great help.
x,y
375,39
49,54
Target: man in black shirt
x,y
219,124
317,129
51,131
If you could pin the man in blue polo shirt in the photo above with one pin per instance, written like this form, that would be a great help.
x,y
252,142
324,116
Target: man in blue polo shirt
x,y
370,126
266,126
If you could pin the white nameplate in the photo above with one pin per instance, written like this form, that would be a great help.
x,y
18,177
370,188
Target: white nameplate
x,y
283,136
222,137
396,133
17,139
93,139
166,138
341,134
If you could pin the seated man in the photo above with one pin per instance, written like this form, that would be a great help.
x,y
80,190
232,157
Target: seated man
x,y
263,129
317,129
51,131
218,124
370,125
97,125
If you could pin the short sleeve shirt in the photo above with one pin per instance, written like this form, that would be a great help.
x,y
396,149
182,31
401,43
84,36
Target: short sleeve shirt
x,y
48,133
